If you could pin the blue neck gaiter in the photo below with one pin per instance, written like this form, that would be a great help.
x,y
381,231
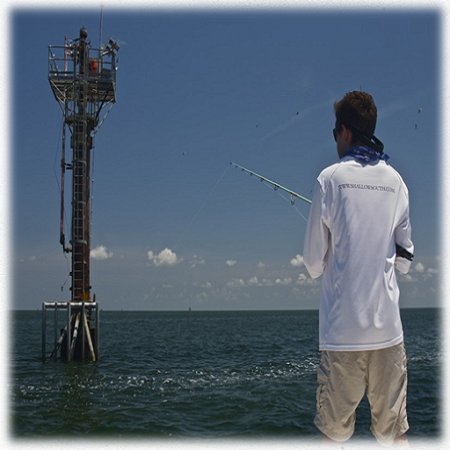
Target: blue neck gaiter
x,y
366,154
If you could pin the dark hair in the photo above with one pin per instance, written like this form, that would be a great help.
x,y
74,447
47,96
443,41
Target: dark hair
x,y
357,110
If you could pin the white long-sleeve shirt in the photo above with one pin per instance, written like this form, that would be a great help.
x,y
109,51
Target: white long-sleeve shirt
x,y
359,212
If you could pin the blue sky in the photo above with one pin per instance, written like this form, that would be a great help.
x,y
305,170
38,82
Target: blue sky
x,y
174,225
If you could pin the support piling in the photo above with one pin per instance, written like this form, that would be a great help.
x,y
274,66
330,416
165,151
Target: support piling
x,y
72,341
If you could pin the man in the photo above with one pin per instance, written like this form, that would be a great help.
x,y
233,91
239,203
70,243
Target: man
x,y
358,233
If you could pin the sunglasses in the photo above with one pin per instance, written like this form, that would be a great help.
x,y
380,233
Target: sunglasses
x,y
372,142
336,130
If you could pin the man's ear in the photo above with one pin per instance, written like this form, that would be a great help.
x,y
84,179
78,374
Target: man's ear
x,y
347,134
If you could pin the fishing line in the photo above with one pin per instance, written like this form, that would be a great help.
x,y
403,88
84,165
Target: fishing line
x,y
289,201
201,207
306,220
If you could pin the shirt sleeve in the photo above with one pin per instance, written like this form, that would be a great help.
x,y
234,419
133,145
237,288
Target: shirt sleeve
x,y
403,242
315,246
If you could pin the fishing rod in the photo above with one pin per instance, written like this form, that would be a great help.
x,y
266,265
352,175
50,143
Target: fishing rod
x,y
400,251
276,186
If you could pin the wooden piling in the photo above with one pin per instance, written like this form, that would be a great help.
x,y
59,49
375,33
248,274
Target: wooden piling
x,y
77,332
75,335
88,335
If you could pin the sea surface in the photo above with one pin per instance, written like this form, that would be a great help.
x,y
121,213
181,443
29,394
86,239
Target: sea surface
x,y
177,375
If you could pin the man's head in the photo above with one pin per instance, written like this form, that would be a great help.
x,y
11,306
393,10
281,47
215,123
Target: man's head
x,y
355,114
357,110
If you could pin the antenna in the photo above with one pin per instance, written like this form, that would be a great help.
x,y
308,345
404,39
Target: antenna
x,y
101,29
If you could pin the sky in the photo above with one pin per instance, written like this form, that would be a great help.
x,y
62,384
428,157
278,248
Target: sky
x,y
175,226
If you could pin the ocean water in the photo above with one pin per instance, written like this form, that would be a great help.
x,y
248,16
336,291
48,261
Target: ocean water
x,y
177,375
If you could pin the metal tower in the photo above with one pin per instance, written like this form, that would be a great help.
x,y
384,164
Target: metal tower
x,y
83,81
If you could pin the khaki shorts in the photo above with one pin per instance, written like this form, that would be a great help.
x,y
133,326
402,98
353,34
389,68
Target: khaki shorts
x,y
343,379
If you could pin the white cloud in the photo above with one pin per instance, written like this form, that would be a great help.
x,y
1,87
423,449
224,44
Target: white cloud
x,y
100,253
207,285
201,297
231,263
253,281
305,280
302,280
165,258
427,272
284,281
236,283
197,261
297,261
407,278
29,259
261,265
